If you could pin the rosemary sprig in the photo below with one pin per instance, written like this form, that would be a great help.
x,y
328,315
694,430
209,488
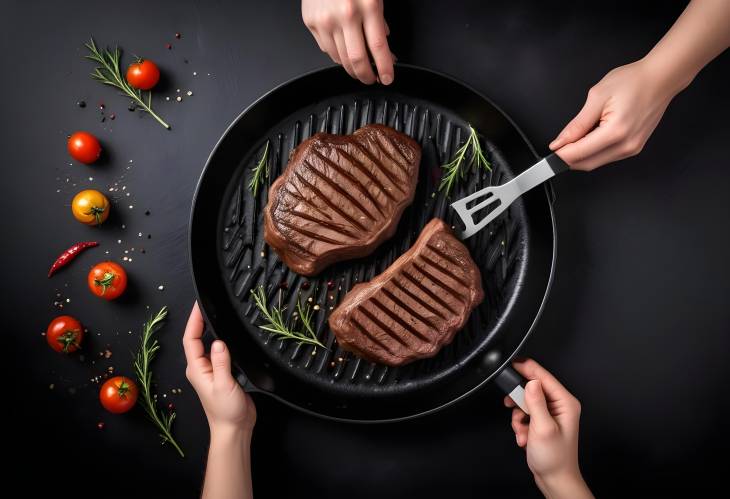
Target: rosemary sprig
x,y
109,73
260,171
276,324
147,350
454,171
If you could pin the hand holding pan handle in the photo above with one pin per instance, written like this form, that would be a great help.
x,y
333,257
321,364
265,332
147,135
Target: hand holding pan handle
x,y
513,384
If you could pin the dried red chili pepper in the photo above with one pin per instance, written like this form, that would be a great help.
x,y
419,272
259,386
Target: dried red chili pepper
x,y
70,254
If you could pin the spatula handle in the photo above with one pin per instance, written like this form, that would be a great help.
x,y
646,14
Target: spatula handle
x,y
556,163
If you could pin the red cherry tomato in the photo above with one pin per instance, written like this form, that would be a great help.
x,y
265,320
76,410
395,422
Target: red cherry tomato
x,y
84,147
118,394
64,334
107,280
143,74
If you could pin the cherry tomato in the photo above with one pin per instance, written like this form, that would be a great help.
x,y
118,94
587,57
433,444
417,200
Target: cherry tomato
x,y
64,334
143,74
118,394
107,280
84,147
90,207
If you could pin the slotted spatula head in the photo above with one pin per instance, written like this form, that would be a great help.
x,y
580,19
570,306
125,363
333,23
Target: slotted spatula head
x,y
478,209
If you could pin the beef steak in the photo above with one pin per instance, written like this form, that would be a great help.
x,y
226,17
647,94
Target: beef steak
x,y
340,196
415,306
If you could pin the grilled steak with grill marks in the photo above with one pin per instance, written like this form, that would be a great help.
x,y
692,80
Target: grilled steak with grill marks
x,y
340,196
415,306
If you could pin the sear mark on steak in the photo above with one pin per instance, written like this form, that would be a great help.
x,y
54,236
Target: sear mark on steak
x,y
415,306
340,196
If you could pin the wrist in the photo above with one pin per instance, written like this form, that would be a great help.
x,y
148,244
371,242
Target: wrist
x,y
671,78
563,484
227,433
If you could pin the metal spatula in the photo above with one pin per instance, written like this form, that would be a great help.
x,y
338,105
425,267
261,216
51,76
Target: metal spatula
x,y
501,196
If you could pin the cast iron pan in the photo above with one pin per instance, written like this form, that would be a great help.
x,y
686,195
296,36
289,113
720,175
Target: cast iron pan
x,y
229,258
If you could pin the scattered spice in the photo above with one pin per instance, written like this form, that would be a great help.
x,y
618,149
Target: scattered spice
x,y
168,46
306,285
100,425
330,284
177,35
81,104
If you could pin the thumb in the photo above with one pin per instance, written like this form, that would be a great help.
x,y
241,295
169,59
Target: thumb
x,y
220,358
583,123
540,417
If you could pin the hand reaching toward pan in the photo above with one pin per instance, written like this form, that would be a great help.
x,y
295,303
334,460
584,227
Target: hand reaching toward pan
x,y
623,109
230,411
351,32
549,434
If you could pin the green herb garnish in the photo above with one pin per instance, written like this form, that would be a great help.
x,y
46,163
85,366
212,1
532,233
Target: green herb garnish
x,y
109,73
260,171
147,350
277,325
454,168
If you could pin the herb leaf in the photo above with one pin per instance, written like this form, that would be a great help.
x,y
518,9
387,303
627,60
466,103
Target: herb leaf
x,y
260,171
453,169
276,324
147,350
109,73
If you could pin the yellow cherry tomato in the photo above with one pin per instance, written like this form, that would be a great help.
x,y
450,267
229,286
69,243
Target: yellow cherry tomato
x,y
90,207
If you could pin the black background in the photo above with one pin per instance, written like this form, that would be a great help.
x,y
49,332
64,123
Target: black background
x,y
636,325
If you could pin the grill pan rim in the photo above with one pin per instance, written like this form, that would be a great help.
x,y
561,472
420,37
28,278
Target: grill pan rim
x,y
241,376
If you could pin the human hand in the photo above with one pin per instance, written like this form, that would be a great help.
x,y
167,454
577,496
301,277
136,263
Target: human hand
x,y
620,114
550,433
350,31
226,405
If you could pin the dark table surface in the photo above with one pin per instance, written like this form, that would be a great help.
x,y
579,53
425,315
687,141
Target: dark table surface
x,y
636,324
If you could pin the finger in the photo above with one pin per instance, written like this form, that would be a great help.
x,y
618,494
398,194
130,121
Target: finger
x,y
601,138
519,426
358,54
342,52
192,343
508,402
540,418
376,35
583,122
603,157
328,46
220,358
552,388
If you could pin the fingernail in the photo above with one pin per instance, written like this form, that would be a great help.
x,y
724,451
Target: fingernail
x,y
218,346
517,438
553,145
386,79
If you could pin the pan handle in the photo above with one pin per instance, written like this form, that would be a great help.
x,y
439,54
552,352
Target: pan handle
x,y
245,383
513,385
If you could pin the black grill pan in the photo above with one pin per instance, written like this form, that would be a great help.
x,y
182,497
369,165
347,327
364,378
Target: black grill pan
x,y
230,258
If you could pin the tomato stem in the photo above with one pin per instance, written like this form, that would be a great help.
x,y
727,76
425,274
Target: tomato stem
x,y
97,212
105,281
68,339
